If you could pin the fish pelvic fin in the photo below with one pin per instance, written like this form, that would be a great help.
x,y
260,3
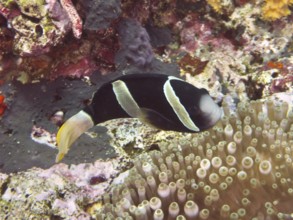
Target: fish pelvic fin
x,y
155,119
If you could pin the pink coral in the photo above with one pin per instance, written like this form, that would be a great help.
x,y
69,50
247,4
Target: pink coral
x,y
8,13
64,13
73,16
195,33
4,11
82,67
58,15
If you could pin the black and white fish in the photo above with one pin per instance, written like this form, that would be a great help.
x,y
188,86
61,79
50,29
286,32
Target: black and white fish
x,y
162,101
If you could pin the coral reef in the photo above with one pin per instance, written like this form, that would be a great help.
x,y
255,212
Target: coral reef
x,y
270,44
271,9
58,192
277,76
134,138
139,11
31,37
192,65
221,5
238,169
35,8
41,28
216,5
53,22
237,54
198,37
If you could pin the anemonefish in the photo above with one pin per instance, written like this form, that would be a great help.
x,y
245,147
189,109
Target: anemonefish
x,y
162,101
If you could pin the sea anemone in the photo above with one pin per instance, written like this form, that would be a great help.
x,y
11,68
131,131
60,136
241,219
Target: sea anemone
x,y
239,169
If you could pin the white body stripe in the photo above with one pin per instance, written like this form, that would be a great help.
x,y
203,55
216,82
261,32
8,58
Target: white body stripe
x,y
125,99
178,108
175,78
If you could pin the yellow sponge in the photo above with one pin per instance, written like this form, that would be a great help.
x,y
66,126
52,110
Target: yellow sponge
x,y
275,9
216,5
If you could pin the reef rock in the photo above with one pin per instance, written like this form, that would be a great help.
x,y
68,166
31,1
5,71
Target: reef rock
x,y
101,14
61,191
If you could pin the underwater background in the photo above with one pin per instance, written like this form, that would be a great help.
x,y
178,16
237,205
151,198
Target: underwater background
x,y
55,54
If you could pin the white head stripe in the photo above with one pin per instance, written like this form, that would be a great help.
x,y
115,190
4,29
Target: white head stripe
x,y
125,99
178,108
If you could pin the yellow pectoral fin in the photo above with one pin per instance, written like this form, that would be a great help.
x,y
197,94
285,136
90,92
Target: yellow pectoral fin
x,y
70,131
59,157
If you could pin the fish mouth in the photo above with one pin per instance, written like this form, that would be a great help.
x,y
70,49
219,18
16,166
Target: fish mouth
x,y
211,112
216,115
70,131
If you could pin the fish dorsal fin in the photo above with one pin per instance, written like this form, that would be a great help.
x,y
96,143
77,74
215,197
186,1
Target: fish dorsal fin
x,y
177,106
125,99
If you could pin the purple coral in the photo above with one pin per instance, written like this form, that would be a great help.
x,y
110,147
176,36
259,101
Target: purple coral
x,y
135,44
63,14
101,13
59,16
